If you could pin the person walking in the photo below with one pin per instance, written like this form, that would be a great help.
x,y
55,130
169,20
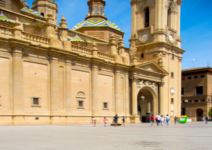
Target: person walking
x,y
93,121
123,121
152,120
175,120
158,120
105,121
167,120
206,119
162,121
115,120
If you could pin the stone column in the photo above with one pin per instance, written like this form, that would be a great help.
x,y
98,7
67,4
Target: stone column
x,y
127,102
94,83
54,85
134,98
117,90
17,67
68,85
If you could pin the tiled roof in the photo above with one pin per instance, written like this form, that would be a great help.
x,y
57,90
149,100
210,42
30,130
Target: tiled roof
x,y
96,22
5,18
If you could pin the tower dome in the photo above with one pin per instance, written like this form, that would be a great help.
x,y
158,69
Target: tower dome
x,y
96,23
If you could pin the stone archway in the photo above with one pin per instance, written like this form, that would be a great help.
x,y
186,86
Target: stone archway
x,y
147,103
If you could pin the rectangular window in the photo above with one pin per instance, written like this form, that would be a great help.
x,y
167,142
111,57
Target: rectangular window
x,y
105,105
172,74
189,77
35,101
199,90
172,100
81,104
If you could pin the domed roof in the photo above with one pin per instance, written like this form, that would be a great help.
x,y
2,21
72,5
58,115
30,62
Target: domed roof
x,y
96,22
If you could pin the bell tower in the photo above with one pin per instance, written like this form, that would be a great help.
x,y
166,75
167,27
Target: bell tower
x,y
96,8
155,37
47,8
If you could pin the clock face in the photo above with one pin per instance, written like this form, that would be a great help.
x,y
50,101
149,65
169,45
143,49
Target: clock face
x,y
144,38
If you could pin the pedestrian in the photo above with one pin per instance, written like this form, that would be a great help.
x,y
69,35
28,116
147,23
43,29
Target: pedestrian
x,y
93,121
162,120
123,120
158,120
152,119
167,120
115,119
105,121
206,119
175,120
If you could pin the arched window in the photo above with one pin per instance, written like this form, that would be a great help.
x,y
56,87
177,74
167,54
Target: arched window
x,y
146,17
81,99
169,17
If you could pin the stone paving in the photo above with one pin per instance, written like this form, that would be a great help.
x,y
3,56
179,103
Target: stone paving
x,y
194,136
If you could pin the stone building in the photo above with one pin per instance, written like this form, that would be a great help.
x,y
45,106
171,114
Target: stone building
x,y
53,75
196,92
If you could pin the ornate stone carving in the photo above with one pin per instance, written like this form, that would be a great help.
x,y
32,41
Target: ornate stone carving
x,y
151,84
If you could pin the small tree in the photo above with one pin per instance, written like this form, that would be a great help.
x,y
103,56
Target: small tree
x,y
210,113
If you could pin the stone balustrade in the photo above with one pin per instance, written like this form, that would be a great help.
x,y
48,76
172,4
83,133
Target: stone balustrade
x,y
6,32
106,56
35,38
81,50
9,33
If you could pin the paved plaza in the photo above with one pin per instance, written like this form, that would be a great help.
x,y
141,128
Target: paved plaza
x,y
195,136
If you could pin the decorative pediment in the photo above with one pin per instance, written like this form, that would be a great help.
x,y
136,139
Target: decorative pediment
x,y
151,67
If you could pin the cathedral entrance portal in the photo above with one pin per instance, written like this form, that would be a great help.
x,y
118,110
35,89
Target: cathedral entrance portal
x,y
146,98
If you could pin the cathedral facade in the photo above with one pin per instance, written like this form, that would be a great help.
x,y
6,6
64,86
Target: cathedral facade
x,y
53,75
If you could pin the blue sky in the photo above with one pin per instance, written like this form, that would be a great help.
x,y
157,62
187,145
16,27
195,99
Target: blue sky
x,y
196,25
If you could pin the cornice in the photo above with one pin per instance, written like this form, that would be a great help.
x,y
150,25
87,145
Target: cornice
x,y
161,44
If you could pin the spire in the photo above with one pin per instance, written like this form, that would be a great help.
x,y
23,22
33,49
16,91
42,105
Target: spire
x,y
96,8
63,23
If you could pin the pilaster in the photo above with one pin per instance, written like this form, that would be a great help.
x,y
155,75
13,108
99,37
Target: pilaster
x,y
68,85
127,96
17,67
54,84
117,90
163,98
134,98
94,83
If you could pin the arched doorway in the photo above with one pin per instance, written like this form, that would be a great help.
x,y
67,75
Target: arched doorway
x,y
146,104
199,114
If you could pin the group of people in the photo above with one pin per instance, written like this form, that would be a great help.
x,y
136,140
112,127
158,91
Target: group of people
x,y
160,120
115,121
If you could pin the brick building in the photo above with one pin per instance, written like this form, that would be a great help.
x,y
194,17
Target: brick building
x,y
196,92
